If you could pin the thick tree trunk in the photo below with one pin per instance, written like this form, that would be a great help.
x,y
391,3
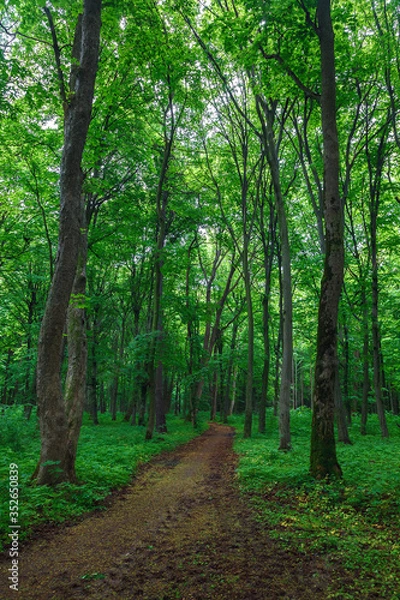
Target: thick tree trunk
x,y
75,385
53,463
323,460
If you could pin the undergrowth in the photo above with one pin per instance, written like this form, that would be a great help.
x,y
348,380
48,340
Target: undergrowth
x,y
353,523
108,456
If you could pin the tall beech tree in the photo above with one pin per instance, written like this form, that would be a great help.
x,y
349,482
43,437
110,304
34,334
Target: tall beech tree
x,y
324,462
54,464
267,112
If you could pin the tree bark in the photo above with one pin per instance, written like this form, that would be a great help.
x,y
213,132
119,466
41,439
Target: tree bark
x,y
365,360
376,346
250,335
155,386
268,249
343,432
266,115
53,462
375,168
228,391
75,385
323,460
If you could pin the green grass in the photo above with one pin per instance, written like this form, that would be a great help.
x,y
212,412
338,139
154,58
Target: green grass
x,y
353,523
108,456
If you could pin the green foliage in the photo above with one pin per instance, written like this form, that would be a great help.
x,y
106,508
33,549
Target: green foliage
x,y
108,457
15,431
353,522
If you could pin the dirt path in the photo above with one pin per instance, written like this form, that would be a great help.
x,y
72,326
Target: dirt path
x,y
181,531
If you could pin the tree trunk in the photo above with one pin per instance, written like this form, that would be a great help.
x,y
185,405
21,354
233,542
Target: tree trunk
x,y
376,346
250,338
376,163
267,115
211,332
346,401
155,364
343,432
93,383
161,423
268,249
228,391
323,460
75,385
4,394
156,405
365,359
53,463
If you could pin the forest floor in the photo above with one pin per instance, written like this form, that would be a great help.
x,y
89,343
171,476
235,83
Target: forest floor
x,y
181,530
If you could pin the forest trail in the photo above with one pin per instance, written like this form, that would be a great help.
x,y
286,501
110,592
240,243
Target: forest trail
x,y
180,531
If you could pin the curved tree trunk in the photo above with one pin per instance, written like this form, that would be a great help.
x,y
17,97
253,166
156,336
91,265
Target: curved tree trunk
x,y
53,460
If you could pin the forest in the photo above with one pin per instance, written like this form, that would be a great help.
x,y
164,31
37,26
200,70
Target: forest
x,y
200,222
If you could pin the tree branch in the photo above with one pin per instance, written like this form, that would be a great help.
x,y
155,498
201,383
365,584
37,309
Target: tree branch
x,y
278,58
57,55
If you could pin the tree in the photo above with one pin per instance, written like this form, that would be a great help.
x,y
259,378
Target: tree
x,y
323,449
54,466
